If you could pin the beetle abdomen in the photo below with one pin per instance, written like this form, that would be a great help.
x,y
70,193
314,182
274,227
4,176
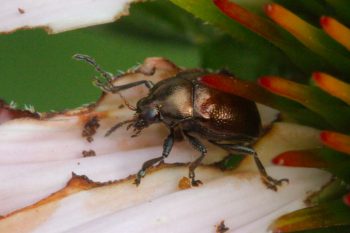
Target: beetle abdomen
x,y
225,114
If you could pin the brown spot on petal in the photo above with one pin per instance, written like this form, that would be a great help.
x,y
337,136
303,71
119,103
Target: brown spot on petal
x,y
221,228
45,27
34,215
8,113
88,153
78,183
21,11
90,128
184,183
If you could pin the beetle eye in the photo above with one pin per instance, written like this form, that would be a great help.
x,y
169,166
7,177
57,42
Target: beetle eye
x,y
151,114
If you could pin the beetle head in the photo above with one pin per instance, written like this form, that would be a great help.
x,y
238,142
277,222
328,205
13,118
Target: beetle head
x,y
146,113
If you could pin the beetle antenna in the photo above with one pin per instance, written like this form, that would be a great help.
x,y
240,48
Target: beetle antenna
x,y
132,108
136,134
129,126
115,127
108,77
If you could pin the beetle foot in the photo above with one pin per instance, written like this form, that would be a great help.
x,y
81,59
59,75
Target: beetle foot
x,y
139,176
272,183
196,183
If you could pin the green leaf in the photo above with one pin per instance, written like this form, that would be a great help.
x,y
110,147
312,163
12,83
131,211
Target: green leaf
x,y
207,11
244,61
162,21
341,10
230,161
334,229
326,215
336,189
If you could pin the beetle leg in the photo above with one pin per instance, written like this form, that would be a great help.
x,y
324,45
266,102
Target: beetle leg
x,y
81,57
167,146
108,77
201,148
116,89
107,84
270,182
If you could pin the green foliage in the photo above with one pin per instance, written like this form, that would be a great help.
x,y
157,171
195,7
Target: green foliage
x,y
231,162
334,229
243,60
327,215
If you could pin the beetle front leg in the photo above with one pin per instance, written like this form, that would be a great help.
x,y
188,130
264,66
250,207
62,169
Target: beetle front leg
x,y
82,57
106,85
269,181
201,148
116,89
167,146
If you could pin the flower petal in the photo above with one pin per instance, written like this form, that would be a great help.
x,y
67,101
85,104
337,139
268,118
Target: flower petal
x,y
310,36
337,141
333,86
336,30
124,207
9,113
58,16
331,109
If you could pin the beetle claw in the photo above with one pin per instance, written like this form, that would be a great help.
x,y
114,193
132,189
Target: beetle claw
x,y
139,176
137,182
272,183
196,183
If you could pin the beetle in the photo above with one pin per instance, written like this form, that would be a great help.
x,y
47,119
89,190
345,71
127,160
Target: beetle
x,y
184,104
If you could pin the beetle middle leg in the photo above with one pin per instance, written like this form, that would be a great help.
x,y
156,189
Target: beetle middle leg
x,y
270,182
167,146
201,148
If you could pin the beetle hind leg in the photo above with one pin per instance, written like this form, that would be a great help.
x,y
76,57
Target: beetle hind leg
x,y
270,182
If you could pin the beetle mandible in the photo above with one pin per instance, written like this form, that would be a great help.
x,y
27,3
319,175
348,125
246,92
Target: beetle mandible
x,y
184,104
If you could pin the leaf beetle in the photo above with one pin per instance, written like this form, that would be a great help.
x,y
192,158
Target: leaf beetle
x,y
183,103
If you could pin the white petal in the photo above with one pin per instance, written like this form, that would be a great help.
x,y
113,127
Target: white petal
x,y
25,184
59,15
157,204
236,200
